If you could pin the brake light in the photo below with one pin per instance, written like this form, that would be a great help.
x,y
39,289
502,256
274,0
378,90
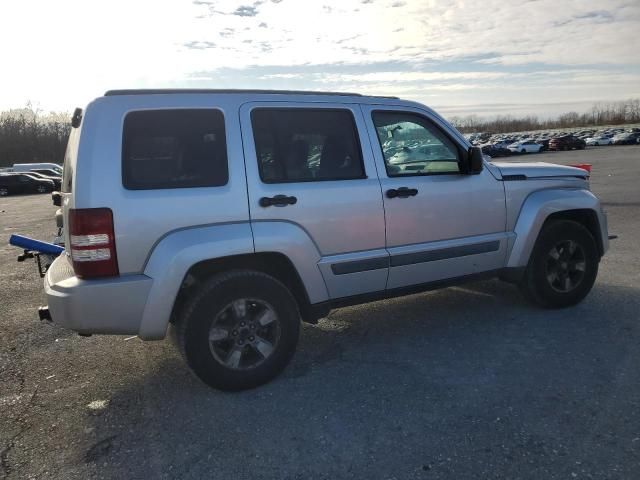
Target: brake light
x,y
583,166
92,242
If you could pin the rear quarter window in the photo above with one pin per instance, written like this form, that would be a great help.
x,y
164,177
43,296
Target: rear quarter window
x,y
178,148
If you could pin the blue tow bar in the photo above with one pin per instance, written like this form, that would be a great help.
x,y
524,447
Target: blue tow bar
x,y
32,245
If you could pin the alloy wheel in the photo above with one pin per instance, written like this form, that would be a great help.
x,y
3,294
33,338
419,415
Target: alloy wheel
x,y
565,266
244,334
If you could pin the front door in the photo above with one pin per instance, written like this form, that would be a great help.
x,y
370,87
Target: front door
x,y
310,167
441,223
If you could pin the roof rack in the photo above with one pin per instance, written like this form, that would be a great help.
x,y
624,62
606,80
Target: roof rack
x,y
169,91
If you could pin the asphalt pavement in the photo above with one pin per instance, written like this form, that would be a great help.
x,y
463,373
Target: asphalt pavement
x,y
462,383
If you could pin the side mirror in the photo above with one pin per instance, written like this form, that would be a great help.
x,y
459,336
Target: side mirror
x,y
56,197
475,161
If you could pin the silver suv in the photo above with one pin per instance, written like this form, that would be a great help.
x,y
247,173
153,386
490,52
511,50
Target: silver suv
x,y
233,215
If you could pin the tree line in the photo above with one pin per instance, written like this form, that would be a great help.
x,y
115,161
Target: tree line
x,y
600,114
28,135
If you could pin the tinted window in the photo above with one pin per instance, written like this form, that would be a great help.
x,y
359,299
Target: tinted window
x,y
7,180
412,145
174,149
299,145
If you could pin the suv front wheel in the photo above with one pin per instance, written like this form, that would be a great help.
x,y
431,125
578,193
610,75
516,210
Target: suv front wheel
x,y
238,330
563,265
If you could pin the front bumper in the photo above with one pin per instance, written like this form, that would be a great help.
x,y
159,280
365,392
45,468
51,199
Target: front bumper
x,y
110,305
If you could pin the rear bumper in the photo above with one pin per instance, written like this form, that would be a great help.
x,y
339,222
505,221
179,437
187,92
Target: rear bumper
x,y
110,306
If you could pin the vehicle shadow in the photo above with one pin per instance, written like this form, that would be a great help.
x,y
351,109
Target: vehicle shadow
x,y
427,372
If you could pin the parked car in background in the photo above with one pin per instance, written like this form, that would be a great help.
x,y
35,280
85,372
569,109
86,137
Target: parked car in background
x,y
525,146
47,171
567,142
11,183
25,167
544,142
502,144
596,141
495,151
57,181
626,138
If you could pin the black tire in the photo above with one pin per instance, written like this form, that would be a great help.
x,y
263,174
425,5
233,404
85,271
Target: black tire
x,y
41,189
194,326
523,151
537,285
596,144
4,191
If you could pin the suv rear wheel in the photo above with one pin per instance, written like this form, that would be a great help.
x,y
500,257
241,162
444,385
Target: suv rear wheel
x,y
239,330
563,265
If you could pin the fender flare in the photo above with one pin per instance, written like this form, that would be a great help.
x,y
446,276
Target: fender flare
x,y
536,209
295,243
178,251
172,258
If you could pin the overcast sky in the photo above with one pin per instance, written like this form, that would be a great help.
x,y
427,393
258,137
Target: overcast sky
x,y
463,57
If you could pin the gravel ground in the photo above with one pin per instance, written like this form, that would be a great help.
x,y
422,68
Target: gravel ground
x,y
467,382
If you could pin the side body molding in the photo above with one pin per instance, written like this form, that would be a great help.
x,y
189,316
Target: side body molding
x,y
295,243
535,210
171,259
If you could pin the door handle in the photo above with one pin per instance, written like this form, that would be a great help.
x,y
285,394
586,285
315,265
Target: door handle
x,y
277,201
402,192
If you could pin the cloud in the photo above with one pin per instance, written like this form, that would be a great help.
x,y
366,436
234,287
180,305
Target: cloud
x,y
600,15
458,52
227,32
246,11
200,45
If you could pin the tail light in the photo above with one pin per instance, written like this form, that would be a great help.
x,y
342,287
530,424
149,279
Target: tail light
x,y
92,242
584,166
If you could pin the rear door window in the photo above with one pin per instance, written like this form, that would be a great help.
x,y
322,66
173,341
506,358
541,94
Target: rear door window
x,y
306,145
174,149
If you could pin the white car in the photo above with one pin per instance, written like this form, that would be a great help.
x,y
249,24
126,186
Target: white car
x,y
595,141
525,146
27,167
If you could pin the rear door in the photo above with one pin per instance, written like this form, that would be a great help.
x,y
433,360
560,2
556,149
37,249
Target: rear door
x,y
310,165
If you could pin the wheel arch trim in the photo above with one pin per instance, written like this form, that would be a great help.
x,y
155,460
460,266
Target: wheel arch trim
x,y
172,258
542,205
178,252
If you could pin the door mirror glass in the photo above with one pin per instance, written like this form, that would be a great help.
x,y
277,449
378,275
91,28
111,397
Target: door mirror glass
x,y
475,160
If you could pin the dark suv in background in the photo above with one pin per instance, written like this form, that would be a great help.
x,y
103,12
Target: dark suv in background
x,y
567,142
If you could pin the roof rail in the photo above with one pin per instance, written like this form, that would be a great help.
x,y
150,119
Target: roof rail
x,y
169,91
